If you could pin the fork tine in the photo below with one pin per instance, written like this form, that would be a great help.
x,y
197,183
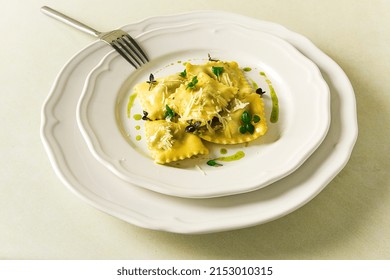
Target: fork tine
x,y
119,48
143,56
131,50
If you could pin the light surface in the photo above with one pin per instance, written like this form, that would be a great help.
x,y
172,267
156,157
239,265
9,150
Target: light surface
x,y
41,219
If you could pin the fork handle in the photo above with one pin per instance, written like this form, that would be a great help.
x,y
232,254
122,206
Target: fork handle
x,y
69,21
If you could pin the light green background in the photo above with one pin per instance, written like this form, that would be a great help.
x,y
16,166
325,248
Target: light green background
x,y
41,219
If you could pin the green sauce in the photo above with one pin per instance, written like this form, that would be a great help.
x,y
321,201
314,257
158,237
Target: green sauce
x,y
275,103
138,137
137,127
131,103
137,117
247,69
236,156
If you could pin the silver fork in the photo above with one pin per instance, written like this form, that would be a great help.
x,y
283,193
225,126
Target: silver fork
x,y
121,41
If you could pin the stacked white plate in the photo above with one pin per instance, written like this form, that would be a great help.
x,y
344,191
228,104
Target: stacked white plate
x,y
94,146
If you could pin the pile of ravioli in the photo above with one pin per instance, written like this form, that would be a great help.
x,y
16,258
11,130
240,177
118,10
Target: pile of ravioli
x,y
185,109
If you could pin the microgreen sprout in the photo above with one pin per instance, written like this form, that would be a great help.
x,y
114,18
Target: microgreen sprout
x,y
145,116
247,126
169,113
183,74
256,118
217,70
260,91
193,82
212,162
151,81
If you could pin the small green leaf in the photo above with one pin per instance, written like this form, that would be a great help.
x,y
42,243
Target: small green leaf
x,y
212,162
169,112
250,128
183,74
217,70
246,117
193,82
242,129
256,119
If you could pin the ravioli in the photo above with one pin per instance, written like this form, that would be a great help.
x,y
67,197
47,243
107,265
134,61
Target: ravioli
x,y
212,102
153,95
168,141
202,103
231,76
227,130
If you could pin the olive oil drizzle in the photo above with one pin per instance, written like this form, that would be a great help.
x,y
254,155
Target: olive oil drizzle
x,y
275,102
130,104
236,156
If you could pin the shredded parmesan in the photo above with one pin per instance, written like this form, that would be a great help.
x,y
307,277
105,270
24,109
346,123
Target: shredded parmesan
x,y
238,104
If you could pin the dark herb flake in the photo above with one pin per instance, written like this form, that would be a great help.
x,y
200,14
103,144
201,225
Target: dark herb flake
x,y
145,116
260,91
192,127
212,59
151,81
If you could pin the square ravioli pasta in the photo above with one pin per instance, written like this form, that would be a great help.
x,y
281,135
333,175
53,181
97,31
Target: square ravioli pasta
x,y
211,102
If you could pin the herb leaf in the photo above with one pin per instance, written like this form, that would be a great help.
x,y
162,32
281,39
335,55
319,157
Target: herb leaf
x,y
151,81
246,117
169,112
217,70
260,91
183,74
193,83
212,162
256,119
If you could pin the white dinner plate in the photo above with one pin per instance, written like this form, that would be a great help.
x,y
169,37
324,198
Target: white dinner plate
x,y
92,182
112,134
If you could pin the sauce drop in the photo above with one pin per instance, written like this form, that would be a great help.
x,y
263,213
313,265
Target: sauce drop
x,y
137,117
223,151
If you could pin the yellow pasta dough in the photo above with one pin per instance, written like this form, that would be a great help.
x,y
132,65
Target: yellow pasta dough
x,y
212,102
153,95
168,141
203,102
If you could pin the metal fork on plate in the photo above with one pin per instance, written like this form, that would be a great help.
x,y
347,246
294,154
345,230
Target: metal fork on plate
x,y
121,41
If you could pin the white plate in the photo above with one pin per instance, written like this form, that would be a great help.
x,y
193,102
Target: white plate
x,y
303,99
92,182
